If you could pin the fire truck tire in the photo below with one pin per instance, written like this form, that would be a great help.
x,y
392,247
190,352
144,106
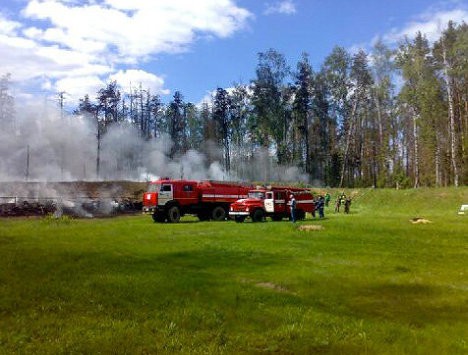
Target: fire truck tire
x,y
257,215
218,213
159,218
173,214
239,219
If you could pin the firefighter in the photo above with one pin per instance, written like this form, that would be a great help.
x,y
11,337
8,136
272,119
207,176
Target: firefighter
x,y
327,199
347,205
338,204
340,201
320,206
292,206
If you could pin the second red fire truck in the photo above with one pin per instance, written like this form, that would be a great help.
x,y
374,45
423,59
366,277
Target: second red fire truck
x,y
273,202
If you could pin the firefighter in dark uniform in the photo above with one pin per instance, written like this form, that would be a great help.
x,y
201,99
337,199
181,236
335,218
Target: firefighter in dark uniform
x,y
347,205
320,206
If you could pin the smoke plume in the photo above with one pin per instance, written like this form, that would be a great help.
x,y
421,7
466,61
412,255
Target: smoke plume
x,y
46,145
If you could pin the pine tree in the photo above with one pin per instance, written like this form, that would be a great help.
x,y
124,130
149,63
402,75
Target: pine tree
x,y
157,124
450,53
323,141
382,94
421,94
360,155
221,116
194,127
241,142
336,73
108,103
302,107
269,100
177,122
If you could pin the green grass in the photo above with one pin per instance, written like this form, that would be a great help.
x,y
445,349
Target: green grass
x,y
370,282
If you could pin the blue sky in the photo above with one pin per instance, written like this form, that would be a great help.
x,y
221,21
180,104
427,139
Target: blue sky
x,y
192,46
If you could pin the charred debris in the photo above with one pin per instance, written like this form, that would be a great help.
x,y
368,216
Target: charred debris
x,y
81,199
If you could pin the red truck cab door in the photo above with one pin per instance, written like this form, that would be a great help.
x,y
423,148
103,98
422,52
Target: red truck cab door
x,y
280,201
269,202
166,194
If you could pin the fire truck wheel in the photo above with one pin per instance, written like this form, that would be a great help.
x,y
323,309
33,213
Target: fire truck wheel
x,y
239,219
173,214
257,216
218,214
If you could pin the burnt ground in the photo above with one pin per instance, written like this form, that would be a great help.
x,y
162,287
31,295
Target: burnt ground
x,y
75,198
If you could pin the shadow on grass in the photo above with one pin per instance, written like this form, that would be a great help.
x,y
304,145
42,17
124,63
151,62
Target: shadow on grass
x,y
415,304
130,280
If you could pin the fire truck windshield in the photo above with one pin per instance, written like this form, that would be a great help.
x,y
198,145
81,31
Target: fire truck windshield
x,y
257,194
154,187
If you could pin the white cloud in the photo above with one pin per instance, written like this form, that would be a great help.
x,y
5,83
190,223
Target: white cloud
x,y
8,27
135,77
73,45
431,24
137,28
285,7
78,86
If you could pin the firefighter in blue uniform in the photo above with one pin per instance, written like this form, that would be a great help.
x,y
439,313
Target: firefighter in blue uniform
x,y
320,205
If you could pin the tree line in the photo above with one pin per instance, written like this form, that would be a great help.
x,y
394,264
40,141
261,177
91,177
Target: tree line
x,y
387,118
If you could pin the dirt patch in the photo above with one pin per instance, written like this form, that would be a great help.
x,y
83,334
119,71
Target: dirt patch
x,y
267,285
419,220
310,228
272,286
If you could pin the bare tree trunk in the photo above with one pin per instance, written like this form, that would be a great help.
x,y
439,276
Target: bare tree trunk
x,y
453,136
380,162
348,141
463,114
416,150
438,178
307,146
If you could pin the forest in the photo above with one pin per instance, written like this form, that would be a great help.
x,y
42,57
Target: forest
x,y
393,117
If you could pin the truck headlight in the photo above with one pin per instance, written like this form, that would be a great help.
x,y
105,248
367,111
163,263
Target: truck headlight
x,y
247,209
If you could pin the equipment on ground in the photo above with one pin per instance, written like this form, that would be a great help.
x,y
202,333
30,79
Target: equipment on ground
x,y
463,210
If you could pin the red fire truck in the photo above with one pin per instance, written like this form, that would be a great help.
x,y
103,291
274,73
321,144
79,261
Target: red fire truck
x,y
168,200
272,202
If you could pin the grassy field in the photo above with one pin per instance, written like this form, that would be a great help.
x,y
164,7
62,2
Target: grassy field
x,y
369,282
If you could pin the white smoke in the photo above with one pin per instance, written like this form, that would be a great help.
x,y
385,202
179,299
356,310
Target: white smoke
x,y
47,145
43,146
